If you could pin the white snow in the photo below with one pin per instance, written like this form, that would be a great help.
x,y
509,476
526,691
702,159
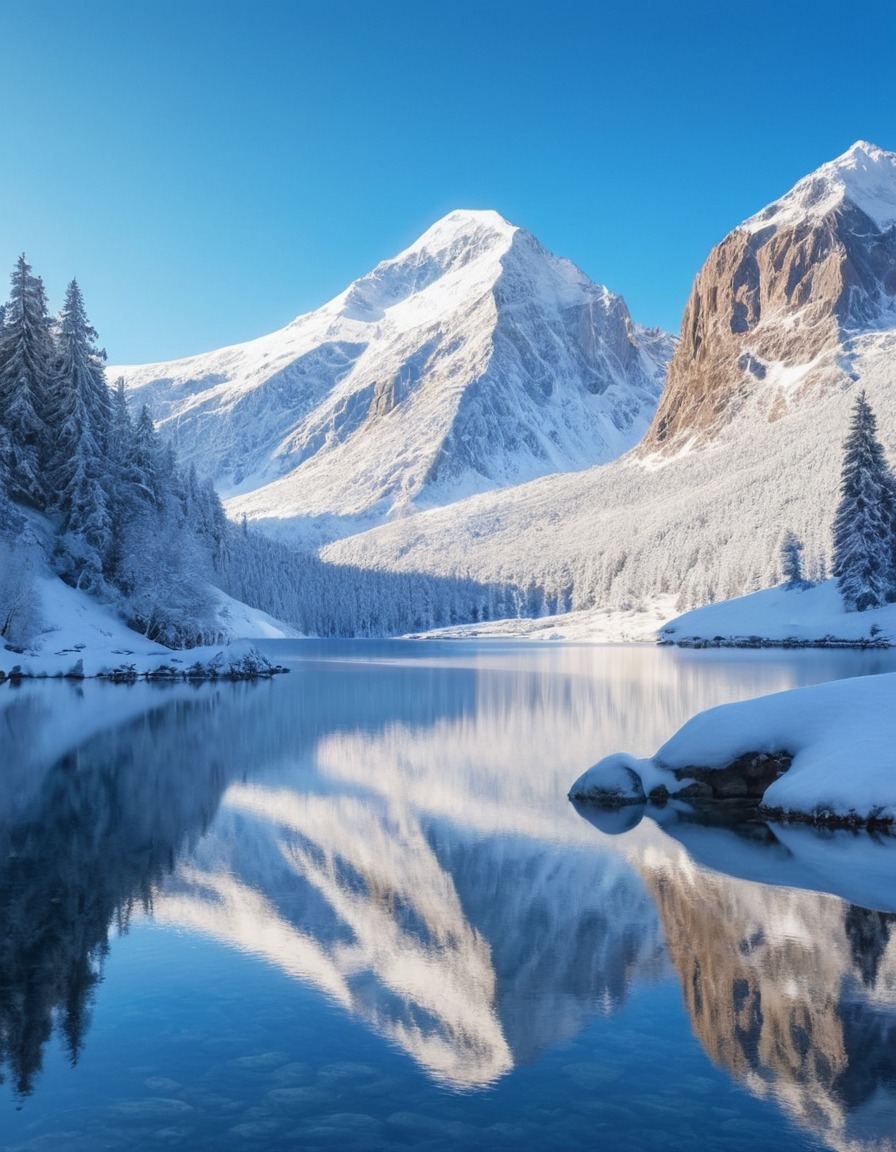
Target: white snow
x,y
706,526
639,625
784,614
842,736
864,175
472,360
244,622
81,636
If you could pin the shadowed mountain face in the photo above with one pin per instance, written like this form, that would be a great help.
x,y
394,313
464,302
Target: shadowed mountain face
x,y
771,310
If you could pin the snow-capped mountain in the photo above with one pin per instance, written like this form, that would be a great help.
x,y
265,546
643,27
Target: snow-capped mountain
x,y
793,312
770,316
474,359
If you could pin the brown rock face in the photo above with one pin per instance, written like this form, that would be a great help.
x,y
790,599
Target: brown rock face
x,y
766,320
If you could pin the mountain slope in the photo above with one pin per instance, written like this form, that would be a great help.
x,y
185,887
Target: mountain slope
x,y
746,441
474,359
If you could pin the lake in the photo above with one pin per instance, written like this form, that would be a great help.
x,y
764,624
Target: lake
x,y
352,908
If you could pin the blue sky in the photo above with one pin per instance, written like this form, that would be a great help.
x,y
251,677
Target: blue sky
x,y
208,170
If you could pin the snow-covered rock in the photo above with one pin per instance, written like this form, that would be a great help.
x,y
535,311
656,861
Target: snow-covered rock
x,y
828,750
472,360
613,782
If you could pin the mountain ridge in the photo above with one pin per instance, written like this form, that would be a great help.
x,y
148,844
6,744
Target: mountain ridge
x,y
473,359
753,416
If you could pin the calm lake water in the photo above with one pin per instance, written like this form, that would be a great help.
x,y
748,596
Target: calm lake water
x,y
352,908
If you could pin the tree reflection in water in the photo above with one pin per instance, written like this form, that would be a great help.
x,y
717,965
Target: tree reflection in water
x,y
97,830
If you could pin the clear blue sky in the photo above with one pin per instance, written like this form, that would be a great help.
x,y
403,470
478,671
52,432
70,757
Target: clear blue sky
x,y
210,169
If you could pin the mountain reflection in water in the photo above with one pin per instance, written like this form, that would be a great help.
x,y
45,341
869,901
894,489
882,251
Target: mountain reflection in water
x,y
393,831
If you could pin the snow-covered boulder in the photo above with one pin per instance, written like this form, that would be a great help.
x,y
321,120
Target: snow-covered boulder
x,y
612,782
826,754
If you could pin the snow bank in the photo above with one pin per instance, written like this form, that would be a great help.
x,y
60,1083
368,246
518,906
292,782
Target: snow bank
x,y
639,625
83,638
783,616
841,737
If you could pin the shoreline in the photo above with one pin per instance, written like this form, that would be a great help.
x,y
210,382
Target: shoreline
x,y
770,642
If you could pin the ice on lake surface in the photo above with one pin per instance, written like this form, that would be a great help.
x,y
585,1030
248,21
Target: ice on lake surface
x,y
352,908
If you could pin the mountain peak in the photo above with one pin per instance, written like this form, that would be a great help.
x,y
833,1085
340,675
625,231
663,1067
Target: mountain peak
x,y
464,239
464,228
864,175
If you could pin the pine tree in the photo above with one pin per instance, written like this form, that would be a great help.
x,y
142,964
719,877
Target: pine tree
x,y
26,355
81,419
147,456
791,554
79,377
863,525
126,499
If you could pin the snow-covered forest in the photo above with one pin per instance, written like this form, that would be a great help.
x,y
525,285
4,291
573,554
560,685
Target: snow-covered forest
x,y
92,490
325,599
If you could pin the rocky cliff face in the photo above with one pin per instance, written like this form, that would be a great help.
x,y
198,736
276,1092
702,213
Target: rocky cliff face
x,y
776,301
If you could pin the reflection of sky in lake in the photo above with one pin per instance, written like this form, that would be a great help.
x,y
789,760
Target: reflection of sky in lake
x,y
362,914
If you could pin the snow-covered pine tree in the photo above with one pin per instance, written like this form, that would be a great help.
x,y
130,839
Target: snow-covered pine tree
x,y
26,355
791,553
129,496
147,455
80,415
863,525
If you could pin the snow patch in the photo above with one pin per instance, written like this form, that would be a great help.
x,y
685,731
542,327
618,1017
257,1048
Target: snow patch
x,y
83,638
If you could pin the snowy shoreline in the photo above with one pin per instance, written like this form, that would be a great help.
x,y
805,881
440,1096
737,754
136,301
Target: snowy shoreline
x,y
767,642
783,617
239,660
83,639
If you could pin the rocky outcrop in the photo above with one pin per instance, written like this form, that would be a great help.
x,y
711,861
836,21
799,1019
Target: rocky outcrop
x,y
773,304
744,778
